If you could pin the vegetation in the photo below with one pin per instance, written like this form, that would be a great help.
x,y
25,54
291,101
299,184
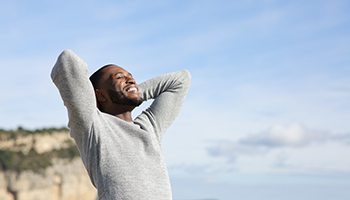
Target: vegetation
x,y
20,131
11,160
18,161
33,161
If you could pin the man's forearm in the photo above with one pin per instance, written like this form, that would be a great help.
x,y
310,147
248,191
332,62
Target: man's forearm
x,y
168,92
176,82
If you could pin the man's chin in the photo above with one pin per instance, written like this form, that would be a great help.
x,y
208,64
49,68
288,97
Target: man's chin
x,y
126,99
135,101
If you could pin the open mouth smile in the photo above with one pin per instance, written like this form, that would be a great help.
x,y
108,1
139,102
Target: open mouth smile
x,y
131,89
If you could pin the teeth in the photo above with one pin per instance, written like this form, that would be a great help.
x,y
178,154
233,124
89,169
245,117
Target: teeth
x,y
132,89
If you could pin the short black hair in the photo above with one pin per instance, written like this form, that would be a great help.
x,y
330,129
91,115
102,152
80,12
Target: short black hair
x,y
95,77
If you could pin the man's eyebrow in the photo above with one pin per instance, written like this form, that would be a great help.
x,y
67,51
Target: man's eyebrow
x,y
113,74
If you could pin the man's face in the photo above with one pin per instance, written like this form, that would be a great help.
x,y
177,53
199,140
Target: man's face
x,y
120,86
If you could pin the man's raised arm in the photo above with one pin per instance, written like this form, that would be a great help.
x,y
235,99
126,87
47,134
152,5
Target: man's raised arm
x,y
70,75
168,92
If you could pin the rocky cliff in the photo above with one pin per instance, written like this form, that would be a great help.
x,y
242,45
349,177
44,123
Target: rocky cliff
x,y
42,165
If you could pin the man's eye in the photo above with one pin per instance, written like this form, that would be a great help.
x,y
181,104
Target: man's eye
x,y
119,76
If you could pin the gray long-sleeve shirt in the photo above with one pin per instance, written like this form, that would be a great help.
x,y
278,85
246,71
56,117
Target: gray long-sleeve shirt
x,y
123,159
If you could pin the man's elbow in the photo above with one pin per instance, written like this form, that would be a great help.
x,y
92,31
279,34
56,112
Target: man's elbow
x,y
186,77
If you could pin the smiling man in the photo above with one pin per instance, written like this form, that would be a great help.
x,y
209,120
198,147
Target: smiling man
x,y
122,155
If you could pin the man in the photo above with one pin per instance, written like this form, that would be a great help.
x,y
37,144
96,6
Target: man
x,y
122,155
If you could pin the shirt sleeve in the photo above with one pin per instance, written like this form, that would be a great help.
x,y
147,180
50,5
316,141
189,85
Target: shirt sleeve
x,y
70,75
168,92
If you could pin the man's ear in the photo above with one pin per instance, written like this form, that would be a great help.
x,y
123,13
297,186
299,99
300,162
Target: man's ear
x,y
100,96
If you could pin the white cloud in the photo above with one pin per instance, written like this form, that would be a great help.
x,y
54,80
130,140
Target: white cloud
x,y
293,135
289,147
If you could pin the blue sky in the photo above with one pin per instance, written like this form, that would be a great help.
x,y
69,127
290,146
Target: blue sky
x,y
267,113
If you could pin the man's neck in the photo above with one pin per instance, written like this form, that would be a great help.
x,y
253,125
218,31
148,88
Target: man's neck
x,y
121,111
125,116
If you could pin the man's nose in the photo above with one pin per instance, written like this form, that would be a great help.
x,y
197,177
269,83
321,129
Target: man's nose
x,y
130,80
